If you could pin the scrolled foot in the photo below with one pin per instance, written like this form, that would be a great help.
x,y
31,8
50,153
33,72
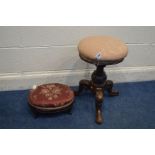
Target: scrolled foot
x,y
99,118
109,88
114,93
83,84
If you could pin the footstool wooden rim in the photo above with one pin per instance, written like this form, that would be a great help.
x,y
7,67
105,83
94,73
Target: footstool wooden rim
x,y
52,109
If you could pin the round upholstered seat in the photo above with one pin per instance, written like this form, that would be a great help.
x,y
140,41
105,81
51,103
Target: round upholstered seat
x,y
108,49
50,97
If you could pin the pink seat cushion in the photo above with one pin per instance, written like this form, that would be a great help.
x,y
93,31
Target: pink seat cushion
x,y
51,95
109,48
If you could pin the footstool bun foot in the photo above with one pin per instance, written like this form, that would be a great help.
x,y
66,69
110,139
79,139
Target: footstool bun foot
x,y
34,113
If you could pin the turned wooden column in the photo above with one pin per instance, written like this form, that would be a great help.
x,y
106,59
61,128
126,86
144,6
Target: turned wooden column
x,y
98,81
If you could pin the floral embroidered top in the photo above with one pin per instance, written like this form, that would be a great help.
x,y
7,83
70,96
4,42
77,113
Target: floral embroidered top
x,y
51,95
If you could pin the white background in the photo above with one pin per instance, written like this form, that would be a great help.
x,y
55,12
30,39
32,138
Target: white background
x,y
69,12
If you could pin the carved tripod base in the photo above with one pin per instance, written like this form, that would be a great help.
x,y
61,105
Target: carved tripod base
x,y
98,85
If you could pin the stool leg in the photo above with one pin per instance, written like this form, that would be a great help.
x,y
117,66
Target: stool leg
x,y
109,88
69,111
34,112
83,84
99,100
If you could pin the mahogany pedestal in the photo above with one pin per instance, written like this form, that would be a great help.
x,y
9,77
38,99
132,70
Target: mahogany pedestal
x,y
98,84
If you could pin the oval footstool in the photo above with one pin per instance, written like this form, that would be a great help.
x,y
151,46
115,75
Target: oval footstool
x,y
50,98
